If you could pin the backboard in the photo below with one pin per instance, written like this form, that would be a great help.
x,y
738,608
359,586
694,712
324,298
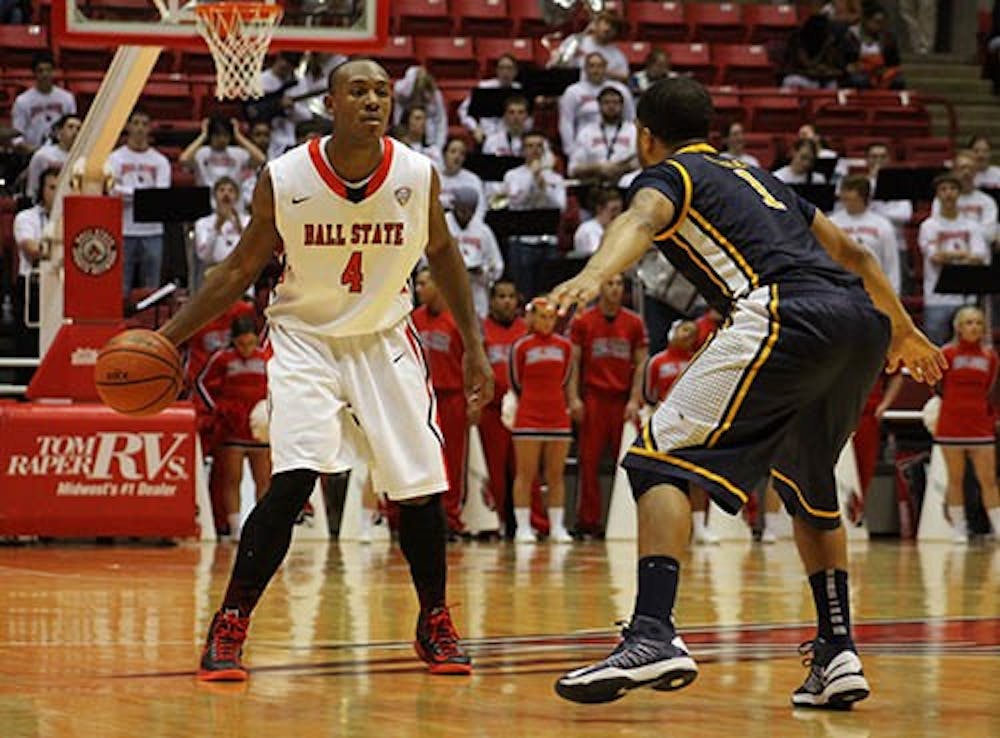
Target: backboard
x,y
343,26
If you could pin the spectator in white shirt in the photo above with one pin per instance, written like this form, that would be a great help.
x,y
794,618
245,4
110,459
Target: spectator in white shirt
x,y
29,226
800,169
508,138
899,212
947,237
52,154
871,230
531,186
260,134
412,131
655,67
216,235
138,166
578,104
454,175
314,76
987,174
735,146
974,204
417,87
808,130
478,245
506,79
607,207
37,108
212,156
599,37
280,77
605,150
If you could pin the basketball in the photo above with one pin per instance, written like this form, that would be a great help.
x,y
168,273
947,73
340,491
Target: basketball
x,y
138,373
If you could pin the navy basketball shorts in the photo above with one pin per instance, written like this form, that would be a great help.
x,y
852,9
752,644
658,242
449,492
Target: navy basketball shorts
x,y
777,391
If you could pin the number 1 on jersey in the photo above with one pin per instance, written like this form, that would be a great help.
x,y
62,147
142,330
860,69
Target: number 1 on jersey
x,y
352,275
770,200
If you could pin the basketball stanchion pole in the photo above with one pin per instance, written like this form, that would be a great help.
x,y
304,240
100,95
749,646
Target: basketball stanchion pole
x,y
477,517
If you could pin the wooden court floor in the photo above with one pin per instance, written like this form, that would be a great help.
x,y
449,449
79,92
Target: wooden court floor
x,y
103,641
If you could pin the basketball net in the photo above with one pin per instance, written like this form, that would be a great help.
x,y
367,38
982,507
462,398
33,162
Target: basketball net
x,y
238,35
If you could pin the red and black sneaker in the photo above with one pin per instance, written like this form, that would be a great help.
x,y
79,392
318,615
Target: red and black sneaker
x,y
220,661
437,643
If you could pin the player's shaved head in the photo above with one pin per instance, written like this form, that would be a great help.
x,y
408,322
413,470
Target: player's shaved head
x,y
362,66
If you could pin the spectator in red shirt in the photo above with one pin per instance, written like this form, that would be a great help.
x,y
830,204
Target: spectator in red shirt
x,y
966,426
540,366
610,349
659,376
233,381
442,343
707,324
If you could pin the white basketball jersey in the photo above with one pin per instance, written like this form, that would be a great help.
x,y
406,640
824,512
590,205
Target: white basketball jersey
x,y
348,253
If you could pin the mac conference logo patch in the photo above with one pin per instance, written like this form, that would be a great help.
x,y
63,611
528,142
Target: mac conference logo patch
x,y
403,195
94,251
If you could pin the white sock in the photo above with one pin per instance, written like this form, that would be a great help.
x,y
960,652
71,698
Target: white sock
x,y
556,517
772,522
957,515
994,514
522,516
367,520
234,524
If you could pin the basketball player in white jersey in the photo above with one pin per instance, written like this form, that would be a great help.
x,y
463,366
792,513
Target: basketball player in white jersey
x,y
351,214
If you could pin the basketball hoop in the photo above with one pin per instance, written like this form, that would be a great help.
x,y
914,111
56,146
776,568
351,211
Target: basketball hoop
x,y
237,34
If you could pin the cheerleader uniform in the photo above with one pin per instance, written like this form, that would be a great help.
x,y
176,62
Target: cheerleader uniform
x,y
966,417
539,370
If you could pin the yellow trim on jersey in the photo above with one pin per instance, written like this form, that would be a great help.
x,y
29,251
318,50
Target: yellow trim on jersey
x,y
721,240
685,205
798,492
696,148
773,330
700,471
696,259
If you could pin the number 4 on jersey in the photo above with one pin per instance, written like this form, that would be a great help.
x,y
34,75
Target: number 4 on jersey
x,y
352,275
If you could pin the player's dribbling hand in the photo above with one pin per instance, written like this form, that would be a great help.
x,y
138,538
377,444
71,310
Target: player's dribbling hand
x,y
922,358
580,290
478,379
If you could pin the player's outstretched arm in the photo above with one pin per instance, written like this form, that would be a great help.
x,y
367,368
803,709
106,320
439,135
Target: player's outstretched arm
x,y
625,241
451,277
230,279
909,346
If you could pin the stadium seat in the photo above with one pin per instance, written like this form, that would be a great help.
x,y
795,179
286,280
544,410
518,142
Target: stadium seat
x,y
744,65
482,18
19,44
490,49
662,21
422,17
769,22
716,22
930,151
72,55
900,120
848,118
397,55
774,113
855,147
527,17
762,146
693,58
447,56
196,62
454,91
728,109
636,53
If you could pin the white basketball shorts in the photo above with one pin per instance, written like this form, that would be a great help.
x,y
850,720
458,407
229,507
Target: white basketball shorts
x,y
316,384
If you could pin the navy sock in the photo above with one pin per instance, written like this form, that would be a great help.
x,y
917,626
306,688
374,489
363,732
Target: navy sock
x,y
658,577
833,607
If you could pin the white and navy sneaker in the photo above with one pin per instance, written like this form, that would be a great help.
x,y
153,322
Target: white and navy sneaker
x,y
836,680
651,654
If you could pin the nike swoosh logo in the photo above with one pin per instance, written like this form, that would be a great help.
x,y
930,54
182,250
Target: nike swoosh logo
x,y
299,200
398,358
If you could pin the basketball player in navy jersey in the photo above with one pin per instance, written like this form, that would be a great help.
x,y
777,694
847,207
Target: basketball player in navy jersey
x,y
351,215
776,391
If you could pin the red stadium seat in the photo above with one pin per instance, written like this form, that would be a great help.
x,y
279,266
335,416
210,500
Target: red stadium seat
x,y
422,17
454,91
728,109
491,49
81,56
774,114
693,58
716,22
636,53
769,22
848,118
662,21
397,55
762,146
196,62
447,56
19,44
744,65
928,151
482,18
900,120
855,147
527,17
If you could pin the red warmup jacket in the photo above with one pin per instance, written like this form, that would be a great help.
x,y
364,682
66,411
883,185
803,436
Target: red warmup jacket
x,y
443,347
662,371
607,346
498,338
230,386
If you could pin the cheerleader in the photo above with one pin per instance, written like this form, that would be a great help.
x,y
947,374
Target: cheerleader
x,y
966,427
233,381
661,372
540,364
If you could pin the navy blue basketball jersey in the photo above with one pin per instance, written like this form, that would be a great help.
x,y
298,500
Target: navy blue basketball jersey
x,y
736,228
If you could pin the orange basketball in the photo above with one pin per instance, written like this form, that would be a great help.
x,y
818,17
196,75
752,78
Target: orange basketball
x,y
138,372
